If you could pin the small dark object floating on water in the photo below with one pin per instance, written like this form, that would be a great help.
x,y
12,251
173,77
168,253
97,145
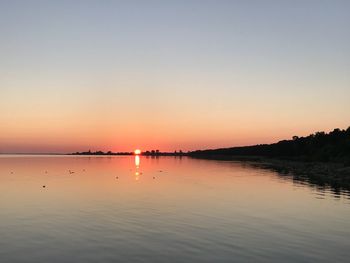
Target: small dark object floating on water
x,y
44,186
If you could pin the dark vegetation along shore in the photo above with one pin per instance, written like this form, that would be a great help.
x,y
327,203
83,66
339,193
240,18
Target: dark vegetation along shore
x,y
322,158
318,147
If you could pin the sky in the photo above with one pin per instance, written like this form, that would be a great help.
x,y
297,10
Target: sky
x,y
170,75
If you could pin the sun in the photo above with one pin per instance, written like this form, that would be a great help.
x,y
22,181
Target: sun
x,y
137,151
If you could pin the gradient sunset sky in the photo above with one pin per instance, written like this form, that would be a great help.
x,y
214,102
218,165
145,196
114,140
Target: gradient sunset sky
x,y
170,75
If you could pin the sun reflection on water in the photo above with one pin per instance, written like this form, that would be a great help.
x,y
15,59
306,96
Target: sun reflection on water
x,y
137,164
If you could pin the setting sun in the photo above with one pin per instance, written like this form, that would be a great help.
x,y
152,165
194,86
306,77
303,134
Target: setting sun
x,y
137,151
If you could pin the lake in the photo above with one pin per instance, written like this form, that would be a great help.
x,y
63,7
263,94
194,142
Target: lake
x,y
166,209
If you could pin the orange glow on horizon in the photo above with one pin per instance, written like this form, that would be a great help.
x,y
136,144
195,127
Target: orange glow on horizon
x,y
137,151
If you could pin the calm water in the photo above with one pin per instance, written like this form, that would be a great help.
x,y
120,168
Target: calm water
x,y
118,209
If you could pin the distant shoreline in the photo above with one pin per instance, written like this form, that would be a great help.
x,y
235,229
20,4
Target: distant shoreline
x,y
146,153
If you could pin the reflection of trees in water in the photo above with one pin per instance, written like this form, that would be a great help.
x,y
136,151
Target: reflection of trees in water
x,y
323,177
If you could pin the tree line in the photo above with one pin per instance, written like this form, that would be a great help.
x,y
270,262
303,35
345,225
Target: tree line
x,y
320,146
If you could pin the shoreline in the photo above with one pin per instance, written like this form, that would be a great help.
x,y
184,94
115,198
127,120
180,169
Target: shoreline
x,y
324,174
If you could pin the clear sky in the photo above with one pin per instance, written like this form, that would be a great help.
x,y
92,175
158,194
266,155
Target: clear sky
x,y
170,75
